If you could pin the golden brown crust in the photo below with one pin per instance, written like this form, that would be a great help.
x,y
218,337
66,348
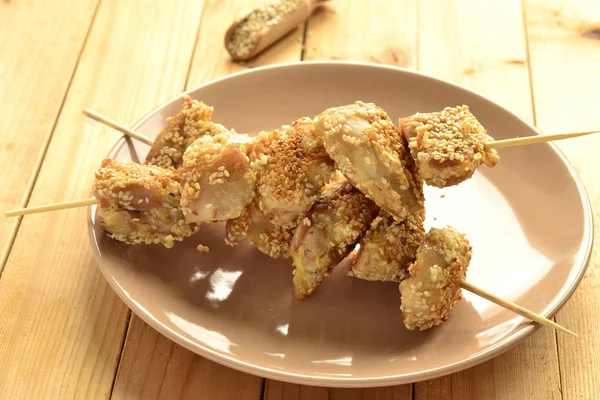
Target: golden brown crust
x,y
388,248
434,284
447,146
369,151
254,226
194,121
291,167
217,180
328,232
140,203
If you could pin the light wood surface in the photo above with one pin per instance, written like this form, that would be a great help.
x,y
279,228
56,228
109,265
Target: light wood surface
x,y
275,390
65,335
62,328
153,367
564,41
32,89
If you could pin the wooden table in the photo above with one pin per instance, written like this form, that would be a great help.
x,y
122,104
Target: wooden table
x,y
64,333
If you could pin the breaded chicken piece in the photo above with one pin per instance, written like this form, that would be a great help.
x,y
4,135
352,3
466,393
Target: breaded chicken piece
x,y
434,284
327,233
447,146
140,203
369,150
194,121
253,225
217,180
291,166
388,248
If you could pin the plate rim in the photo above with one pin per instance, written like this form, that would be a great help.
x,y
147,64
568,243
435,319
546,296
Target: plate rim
x,y
231,361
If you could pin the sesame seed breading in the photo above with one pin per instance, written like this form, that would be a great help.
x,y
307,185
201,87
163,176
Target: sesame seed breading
x,y
434,284
217,181
388,248
254,226
194,120
447,146
369,151
255,22
202,248
140,203
291,167
328,233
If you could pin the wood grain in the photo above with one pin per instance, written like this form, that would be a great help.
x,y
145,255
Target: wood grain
x,y
146,370
332,33
40,43
153,367
482,45
61,326
377,31
564,43
275,390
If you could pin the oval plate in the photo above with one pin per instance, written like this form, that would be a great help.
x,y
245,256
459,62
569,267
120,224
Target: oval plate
x,y
528,219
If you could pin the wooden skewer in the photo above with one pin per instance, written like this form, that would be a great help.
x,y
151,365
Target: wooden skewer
x,y
83,202
498,144
514,307
522,141
126,131
51,207
465,285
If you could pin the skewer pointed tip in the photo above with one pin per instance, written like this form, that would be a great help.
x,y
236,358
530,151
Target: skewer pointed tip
x,y
523,141
515,308
112,124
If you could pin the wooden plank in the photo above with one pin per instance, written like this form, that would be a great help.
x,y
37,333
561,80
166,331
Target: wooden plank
x,y
332,34
61,327
275,390
153,367
146,371
482,45
341,29
40,43
564,44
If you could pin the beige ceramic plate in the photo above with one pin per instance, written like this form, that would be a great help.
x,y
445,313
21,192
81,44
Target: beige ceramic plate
x,y
528,219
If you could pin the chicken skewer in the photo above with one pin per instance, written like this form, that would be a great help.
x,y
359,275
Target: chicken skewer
x,y
193,122
152,203
467,286
141,203
436,278
449,145
86,202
